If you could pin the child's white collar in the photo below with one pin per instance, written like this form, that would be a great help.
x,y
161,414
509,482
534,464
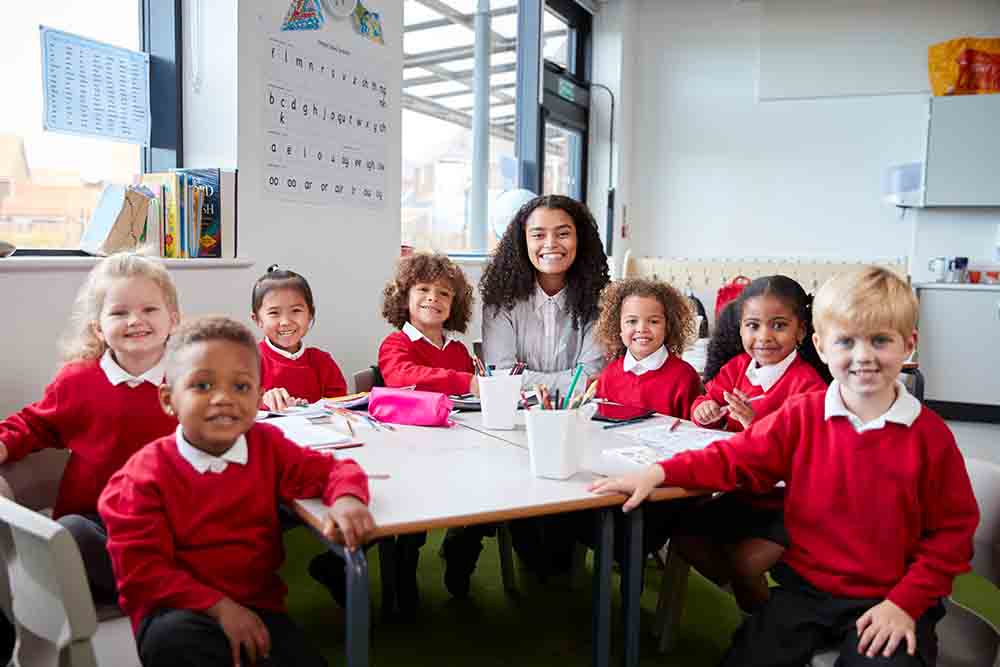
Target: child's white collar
x,y
285,353
904,410
116,374
204,462
414,334
766,377
653,362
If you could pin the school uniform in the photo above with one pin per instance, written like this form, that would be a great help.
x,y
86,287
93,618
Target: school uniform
x,y
874,511
103,415
408,358
310,373
186,528
734,517
662,382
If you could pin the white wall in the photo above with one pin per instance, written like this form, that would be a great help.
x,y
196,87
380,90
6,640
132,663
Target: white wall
x,y
346,255
714,172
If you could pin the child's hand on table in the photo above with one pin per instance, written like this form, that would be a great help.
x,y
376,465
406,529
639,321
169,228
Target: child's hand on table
x,y
278,400
885,624
243,628
349,522
707,413
639,485
739,407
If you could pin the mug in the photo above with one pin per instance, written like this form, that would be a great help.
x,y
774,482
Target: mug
x,y
939,268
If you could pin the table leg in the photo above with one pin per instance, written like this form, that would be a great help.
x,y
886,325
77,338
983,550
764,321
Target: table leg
x,y
603,555
632,584
358,608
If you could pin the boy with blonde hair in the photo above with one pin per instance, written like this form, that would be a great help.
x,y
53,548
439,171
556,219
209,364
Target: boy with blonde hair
x,y
879,508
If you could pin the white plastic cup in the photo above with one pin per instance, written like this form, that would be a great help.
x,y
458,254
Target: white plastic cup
x,y
498,396
555,447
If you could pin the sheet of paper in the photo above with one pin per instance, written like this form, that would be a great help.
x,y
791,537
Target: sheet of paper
x,y
306,434
656,443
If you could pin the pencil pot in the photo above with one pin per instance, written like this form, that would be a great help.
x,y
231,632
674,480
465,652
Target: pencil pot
x,y
554,442
498,397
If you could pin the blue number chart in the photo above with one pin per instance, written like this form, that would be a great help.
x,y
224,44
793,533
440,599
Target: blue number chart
x,y
94,89
326,116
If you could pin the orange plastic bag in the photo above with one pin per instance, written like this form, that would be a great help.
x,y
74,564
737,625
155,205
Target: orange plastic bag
x,y
964,66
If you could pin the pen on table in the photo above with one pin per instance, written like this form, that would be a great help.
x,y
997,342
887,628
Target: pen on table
x,y
349,427
677,421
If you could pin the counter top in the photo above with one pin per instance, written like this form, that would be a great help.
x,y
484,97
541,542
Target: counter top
x,y
974,287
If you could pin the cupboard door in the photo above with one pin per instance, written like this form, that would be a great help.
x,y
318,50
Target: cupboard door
x,y
959,345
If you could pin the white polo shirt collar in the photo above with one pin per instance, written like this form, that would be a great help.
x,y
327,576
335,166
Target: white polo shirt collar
x,y
204,462
116,374
766,377
285,353
904,410
414,334
653,362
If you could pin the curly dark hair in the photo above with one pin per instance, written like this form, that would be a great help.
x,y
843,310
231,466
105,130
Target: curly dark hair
x,y
726,342
676,308
510,276
426,267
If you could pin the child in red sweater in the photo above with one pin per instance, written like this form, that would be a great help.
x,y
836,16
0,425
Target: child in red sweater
x,y
291,373
429,301
879,508
192,518
103,404
762,349
644,325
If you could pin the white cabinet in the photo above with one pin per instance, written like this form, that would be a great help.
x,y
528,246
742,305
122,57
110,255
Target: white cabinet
x,y
963,151
959,343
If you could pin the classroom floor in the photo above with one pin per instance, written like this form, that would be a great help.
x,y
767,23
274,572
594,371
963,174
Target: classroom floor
x,y
546,625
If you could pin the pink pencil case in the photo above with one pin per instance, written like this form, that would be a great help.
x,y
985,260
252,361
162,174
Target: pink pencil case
x,y
407,406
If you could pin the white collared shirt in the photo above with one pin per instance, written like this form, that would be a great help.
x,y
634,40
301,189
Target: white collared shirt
x,y
414,334
116,374
766,377
904,410
204,462
548,309
285,353
653,362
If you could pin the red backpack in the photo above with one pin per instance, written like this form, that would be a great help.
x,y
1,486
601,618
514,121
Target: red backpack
x,y
729,292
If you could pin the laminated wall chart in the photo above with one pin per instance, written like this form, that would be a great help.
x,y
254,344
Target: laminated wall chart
x,y
94,89
327,105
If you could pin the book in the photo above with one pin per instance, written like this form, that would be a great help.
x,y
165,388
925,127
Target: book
x,y
117,222
167,184
306,434
206,232
228,213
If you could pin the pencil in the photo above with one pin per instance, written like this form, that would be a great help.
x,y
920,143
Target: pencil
x,y
572,385
349,427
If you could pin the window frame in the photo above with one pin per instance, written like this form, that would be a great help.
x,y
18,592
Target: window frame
x,y
160,35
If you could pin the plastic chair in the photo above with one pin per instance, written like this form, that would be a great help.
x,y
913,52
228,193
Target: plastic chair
x,y
50,601
966,639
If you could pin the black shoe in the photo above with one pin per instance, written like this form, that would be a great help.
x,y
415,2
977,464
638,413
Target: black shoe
x,y
330,570
407,595
460,556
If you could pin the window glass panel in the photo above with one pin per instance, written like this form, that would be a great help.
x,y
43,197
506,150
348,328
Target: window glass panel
x,y
563,161
417,12
50,182
556,39
437,168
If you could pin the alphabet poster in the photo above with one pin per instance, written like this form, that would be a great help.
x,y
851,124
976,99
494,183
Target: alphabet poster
x,y
326,107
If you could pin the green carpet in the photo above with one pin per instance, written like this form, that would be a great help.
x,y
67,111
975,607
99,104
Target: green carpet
x,y
539,626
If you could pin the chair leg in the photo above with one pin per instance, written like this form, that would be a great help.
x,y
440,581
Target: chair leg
x,y
505,545
670,604
387,570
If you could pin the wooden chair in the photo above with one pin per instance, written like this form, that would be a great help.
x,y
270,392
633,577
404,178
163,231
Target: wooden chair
x,y
43,587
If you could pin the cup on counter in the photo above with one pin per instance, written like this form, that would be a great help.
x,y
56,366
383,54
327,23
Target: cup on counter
x,y
958,270
938,267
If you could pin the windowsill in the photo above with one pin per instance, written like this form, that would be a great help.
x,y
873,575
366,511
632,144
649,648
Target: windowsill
x,y
17,264
472,260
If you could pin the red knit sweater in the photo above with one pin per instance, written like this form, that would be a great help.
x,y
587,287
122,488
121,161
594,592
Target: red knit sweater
x,y
183,540
888,513
404,362
312,376
671,389
101,424
799,378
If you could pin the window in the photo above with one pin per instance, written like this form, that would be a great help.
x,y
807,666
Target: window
x,y
438,208
557,38
50,182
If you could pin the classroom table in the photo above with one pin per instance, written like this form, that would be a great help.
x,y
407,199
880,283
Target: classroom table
x,y
595,439
458,476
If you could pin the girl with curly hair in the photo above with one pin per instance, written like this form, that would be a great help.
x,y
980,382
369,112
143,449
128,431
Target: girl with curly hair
x,y
645,325
762,349
429,301
540,293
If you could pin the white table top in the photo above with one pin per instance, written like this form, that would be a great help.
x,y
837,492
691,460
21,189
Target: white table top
x,y
455,476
